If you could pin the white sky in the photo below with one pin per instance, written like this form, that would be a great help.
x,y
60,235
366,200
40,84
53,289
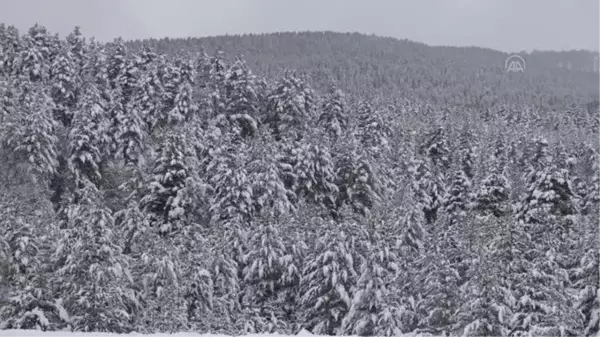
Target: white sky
x,y
507,25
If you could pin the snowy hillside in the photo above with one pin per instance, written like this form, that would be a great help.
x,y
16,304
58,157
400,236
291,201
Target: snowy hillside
x,y
148,192
33,333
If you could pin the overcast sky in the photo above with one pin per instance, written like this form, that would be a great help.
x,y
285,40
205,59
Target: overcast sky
x,y
507,25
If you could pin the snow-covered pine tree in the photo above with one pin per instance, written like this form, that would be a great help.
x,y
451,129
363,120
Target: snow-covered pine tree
x,y
177,104
585,274
427,190
546,215
580,191
89,136
26,243
271,277
542,305
7,98
549,190
372,128
95,67
148,97
196,277
334,116
215,73
588,299
36,54
411,228
315,177
373,311
91,273
241,101
167,201
493,195
63,77
44,41
439,288
290,108
78,48
358,184
229,178
116,63
591,202
328,278
129,130
127,84
270,195
435,147
457,200
157,269
202,66
486,299
10,46
228,245
30,135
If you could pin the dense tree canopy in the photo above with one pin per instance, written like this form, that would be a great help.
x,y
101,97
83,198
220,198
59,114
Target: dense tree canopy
x,y
387,188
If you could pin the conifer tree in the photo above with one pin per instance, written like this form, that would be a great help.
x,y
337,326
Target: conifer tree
x,y
226,269
440,288
271,276
148,98
233,192
542,304
493,194
269,192
588,299
89,137
427,190
372,313
358,184
435,147
64,87
10,45
328,277
289,107
458,198
177,102
26,242
158,268
129,130
412,231
116,63
549,190
127,84
31,134
487,298
77,48
215,73
168,201
36,54
315,177
334,115
8,93
591,196
93,274
241,102
373,130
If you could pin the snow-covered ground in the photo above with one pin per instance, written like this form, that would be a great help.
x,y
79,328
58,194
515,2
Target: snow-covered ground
x,y
35,333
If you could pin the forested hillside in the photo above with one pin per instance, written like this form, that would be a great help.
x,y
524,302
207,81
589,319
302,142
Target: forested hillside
x,y
366,190
373,66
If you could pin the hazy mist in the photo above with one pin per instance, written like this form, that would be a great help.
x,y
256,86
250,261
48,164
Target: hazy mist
x,y
507,25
